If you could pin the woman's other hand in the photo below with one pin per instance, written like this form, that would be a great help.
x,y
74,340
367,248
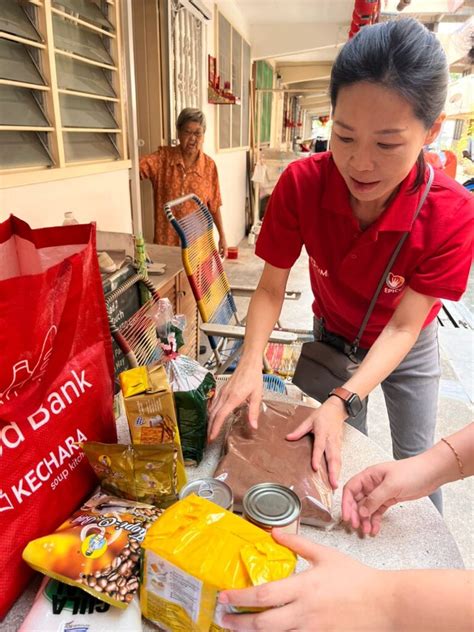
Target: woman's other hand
x,y
246,384
327,424
222,247
368,495
333,594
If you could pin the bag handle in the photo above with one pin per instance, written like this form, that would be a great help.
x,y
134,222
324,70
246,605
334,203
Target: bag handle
x,y
355,344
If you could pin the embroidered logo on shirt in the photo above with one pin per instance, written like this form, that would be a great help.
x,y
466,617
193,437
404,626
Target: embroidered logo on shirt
x,y
394,283
320,271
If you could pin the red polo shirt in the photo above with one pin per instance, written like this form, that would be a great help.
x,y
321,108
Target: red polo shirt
x,y
310,206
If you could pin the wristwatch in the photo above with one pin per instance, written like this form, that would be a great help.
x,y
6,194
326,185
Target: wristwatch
x,y
351,401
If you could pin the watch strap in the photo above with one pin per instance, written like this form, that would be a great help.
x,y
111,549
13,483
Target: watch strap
x,y
341,392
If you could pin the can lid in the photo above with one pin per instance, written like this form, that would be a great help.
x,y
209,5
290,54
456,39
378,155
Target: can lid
x,y
211,489
271,504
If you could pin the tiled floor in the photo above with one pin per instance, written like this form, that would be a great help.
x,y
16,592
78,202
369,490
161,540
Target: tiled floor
x,y
455,406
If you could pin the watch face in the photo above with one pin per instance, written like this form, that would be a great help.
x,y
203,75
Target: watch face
x,y
354,405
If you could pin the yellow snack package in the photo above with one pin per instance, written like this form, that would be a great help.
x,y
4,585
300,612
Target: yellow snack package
x,y
97,548
147,473
194,551
151,414
134,381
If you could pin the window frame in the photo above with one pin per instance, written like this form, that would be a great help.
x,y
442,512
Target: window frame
x,y
243,108
47,51
264,79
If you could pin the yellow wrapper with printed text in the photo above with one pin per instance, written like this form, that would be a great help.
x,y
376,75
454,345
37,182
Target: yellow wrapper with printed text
x,y
151,414
134,381
194,551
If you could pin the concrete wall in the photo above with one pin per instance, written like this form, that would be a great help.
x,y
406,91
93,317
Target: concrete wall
x,y
231,165
103,198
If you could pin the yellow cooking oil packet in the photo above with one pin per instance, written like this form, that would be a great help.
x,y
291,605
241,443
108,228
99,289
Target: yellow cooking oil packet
x,y
151,414
194,551
147,473
97,549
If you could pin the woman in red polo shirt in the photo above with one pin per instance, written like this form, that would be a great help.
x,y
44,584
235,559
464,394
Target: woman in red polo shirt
x,y
349,207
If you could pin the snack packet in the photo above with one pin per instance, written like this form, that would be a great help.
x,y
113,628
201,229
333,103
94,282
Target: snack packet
x,y
197,549
61,608
97,548
134,381
193,386
151,414
147,473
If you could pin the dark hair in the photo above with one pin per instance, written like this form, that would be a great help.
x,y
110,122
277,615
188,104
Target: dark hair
x,y
190,115
401,55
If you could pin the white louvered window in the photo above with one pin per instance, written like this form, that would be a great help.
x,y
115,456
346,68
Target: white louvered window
x,y
61,96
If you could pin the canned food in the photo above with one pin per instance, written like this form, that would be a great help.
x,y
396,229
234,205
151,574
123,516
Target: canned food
x,y
212,489
269,505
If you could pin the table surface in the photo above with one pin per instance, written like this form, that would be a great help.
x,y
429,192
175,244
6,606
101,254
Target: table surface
x,y
413,535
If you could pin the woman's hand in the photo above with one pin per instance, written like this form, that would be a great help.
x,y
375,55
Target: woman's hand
x,y
368,495
334,594
222,247
327,424
245,384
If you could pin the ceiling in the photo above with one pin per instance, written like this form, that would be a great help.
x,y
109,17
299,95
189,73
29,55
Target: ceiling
x,y
295,11
302,37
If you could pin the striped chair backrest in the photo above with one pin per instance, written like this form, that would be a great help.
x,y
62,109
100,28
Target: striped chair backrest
x,y
203,264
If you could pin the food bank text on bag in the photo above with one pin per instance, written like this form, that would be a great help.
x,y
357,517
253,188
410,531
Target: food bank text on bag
x,y
55,383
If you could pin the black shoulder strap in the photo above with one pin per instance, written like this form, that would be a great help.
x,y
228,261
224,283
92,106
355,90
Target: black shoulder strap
x,y
355,344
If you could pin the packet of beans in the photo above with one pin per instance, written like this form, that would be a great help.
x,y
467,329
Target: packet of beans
x,y
97,548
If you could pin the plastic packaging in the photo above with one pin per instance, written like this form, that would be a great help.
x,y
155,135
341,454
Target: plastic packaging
x,y
146,473
97,549
151,413
264,455
169,326
197,549
61,608
193,386
69,219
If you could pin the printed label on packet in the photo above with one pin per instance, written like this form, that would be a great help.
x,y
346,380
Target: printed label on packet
x,y
174,585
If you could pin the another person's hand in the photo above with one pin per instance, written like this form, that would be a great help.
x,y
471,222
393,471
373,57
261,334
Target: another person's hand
x,y
222,247
327,425
368,495
333,594
246,384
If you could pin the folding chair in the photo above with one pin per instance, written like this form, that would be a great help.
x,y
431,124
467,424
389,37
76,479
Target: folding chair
x,y
214,296
271,383
275,388
137,337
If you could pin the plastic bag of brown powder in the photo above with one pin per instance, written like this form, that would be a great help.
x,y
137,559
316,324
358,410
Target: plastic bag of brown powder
x,y
264,455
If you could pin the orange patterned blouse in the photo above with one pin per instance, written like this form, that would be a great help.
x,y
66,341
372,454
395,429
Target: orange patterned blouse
x,y
170,179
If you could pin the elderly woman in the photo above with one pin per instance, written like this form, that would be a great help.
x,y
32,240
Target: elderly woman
x,y
177,171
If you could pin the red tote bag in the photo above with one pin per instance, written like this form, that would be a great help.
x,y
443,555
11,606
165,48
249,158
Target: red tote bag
x,y
56,384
